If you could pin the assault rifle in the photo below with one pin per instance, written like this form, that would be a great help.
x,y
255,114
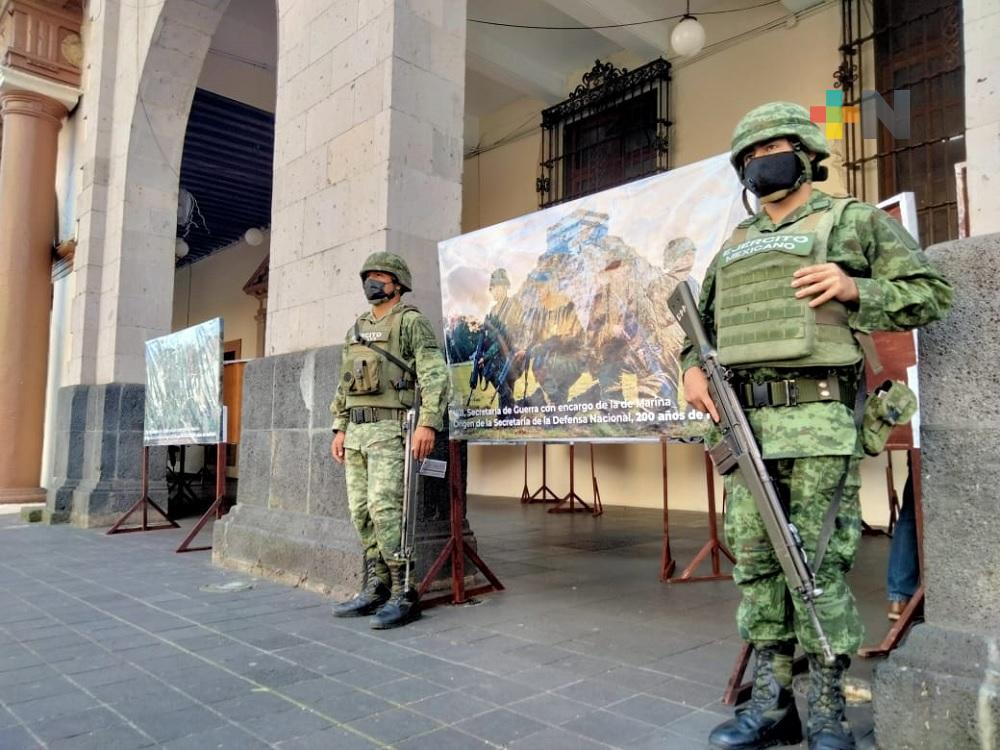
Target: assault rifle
x,y
739,450
408,524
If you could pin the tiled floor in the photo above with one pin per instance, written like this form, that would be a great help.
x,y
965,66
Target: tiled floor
x,y
114,642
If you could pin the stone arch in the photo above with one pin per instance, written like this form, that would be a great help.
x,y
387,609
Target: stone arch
x,y
142,230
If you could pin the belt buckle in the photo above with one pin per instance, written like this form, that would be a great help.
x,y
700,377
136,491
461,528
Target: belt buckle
x,y
791,392
760,395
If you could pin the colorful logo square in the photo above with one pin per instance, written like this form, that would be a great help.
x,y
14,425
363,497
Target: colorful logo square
x,y
833,114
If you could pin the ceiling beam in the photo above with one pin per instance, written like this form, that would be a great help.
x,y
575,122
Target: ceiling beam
x,y
648,41
488,55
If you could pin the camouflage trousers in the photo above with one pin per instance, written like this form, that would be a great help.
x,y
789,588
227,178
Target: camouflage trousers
x,y
373,462
768,612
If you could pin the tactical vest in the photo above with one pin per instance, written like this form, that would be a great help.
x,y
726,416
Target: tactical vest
x,y
371,378
758,320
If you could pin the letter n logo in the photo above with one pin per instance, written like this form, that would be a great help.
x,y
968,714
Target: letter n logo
x,y
875,110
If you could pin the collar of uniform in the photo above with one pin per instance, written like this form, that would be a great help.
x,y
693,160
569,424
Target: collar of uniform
x,y
369,316
818,201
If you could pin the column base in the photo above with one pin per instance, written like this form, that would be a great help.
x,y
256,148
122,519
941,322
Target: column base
x,y
941,688
316,553
22,496
97,464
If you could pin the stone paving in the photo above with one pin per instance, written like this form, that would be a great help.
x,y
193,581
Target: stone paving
x,y
116,642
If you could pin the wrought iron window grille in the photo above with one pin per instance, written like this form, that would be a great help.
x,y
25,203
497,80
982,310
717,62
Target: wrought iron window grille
x,y
613,128
891,45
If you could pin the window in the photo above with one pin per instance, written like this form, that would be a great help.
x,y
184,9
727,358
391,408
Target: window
x,y
916,45
611,130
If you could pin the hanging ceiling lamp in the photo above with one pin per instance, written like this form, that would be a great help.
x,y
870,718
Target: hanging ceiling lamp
x,y
253,236
688,37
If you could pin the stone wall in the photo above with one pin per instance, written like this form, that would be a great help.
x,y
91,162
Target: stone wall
x,y
941,688
97,473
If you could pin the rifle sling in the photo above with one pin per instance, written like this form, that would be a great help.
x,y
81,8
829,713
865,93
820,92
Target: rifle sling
x,y
830,519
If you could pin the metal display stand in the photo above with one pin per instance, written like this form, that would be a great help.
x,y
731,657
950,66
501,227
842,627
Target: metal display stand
x,y
217,509
543,494
569,503
713,547
457,548
143,504
178,485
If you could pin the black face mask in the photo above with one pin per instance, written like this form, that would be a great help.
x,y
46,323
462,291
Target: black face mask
x,y
375,290
774,176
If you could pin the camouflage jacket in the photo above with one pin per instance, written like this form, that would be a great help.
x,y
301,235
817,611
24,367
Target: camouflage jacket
x,y
898,290
420,346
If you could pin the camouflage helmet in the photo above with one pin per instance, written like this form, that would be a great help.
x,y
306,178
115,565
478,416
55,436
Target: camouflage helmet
x,y
389,263
499,278
776,120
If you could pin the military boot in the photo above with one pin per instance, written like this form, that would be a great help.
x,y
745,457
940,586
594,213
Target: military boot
x,y
770,717
374,591
402,606
827,727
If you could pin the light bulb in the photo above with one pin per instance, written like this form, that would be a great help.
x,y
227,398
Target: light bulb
x,y
688,37
253,236
180,248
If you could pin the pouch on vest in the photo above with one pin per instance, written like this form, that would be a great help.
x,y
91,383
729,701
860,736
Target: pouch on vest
x,y
364,375
891,404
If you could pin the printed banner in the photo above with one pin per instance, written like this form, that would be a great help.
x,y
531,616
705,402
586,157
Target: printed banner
x,y
184,386
557,325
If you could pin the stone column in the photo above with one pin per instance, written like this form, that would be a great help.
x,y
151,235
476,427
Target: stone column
x,y
982,113
368,156
941,688
31,125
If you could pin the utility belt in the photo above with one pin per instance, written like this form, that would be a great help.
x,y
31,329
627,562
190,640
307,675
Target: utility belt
x,y
795,391
368,414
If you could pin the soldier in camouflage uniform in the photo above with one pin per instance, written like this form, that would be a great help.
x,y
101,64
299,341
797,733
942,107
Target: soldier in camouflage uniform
x,y
617,342
552,329
786,297
678,259
500,362
368,410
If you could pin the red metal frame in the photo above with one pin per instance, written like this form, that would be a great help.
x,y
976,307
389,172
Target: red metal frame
x,y
568,503
713,547
543,494
593,480
218,507
667,562
457,548
143,503
914,609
